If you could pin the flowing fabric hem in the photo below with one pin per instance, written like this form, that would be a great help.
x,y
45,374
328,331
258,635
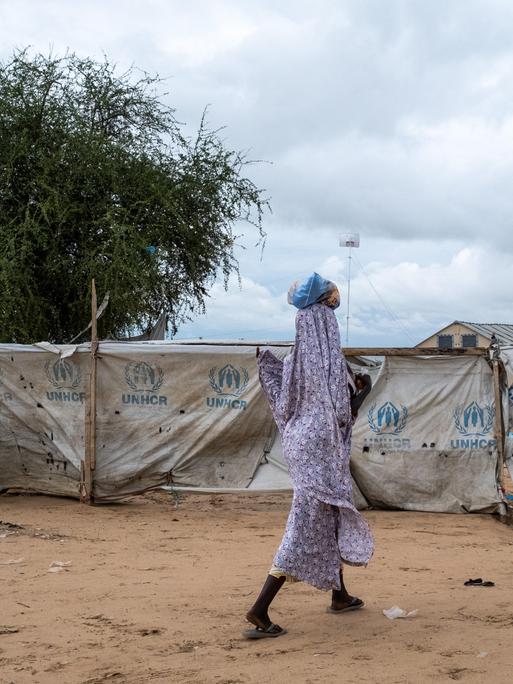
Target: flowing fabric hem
x,y
343,504
356,564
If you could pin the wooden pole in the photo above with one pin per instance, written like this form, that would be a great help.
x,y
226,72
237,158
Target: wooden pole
x,y
499,419
414,351
89,463
94,357
354,351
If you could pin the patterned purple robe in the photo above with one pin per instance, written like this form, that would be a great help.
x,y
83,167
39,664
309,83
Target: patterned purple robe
x,y
309,396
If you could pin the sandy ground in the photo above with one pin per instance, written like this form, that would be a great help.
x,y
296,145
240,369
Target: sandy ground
x,y
157,593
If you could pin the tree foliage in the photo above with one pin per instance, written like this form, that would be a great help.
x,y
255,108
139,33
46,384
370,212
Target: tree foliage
x,y
95,171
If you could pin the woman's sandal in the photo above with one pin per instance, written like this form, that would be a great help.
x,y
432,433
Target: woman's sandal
x,y
353,604
270,632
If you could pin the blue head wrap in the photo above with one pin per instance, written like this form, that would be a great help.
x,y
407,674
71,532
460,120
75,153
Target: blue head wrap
x,y
314,289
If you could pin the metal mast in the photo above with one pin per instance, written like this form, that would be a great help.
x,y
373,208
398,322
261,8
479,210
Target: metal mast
x,y
349,240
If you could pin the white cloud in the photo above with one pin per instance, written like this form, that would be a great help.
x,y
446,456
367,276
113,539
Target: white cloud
x,y
250,311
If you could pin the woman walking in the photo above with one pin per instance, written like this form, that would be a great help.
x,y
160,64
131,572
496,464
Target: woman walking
x,y
313,399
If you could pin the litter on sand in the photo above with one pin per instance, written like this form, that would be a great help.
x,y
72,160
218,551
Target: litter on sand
x,y
59,566
396,612
12,561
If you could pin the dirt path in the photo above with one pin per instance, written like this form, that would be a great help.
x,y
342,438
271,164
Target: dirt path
x,y
157,594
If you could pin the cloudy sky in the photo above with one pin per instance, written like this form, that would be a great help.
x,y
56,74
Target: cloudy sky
x,y
390,118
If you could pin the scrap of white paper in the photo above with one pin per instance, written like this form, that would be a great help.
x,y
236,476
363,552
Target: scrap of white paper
x,y
59,566
396,612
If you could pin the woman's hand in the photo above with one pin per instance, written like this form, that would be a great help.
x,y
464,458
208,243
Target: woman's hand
x,y
363,384
362,381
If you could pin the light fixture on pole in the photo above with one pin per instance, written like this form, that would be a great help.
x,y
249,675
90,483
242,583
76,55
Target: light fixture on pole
x,y
349,240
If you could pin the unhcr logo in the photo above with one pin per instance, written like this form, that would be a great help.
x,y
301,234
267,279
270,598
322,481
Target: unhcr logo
x,y
228,382
145,379
388,419
474,420
65,375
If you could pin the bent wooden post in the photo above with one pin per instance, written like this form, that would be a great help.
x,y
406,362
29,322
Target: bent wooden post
x,y
89,462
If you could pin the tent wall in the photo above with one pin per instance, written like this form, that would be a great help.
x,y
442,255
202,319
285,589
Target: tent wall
x,y
189,416
424,438
194,416
41,419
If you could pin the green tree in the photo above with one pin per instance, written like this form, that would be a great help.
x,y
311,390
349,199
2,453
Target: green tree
x,y
97,180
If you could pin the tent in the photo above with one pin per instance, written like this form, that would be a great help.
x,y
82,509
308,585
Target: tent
x,y
192,416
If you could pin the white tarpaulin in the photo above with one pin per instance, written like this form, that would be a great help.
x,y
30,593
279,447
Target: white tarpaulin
x,y
424,438
186,415
42,399
194,416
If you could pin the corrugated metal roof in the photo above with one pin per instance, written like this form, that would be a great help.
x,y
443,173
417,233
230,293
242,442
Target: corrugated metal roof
x,y
502,331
